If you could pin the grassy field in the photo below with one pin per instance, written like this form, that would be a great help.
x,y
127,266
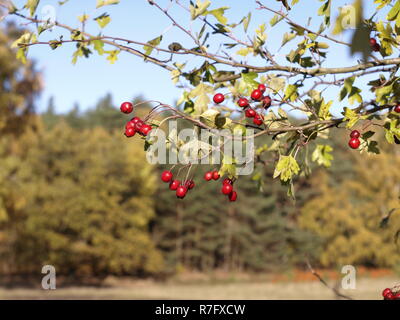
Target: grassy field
x,y
264,290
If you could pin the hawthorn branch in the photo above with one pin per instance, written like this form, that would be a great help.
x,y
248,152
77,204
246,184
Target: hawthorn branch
x,y
333,289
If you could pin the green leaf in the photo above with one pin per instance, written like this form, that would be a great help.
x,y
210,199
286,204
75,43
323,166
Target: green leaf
x,y
322,155
202,99
246,22
155,42
101,3
392,15
351,117
325,10
218,14
98,46
103,20
244,51
32,6
199,9
276,84
291,93
287,37
83,18
373,147
249,79
113,56
286,168
275,19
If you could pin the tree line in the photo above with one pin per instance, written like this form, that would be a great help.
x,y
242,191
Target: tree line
x,y
75,193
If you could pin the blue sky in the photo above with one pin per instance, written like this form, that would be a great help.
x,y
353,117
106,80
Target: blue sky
x,y
90,79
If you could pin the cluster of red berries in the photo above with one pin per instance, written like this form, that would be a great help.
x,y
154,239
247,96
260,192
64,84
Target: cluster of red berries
x,y
227,184
256,95
135,124
180,188
388,294
354,142
375,46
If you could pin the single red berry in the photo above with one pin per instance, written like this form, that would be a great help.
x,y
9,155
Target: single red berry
x,y
390,296
189,184
166,176
256,95
355,134
233,196
227,181
267,101
215,175
354,143
386,291
219,98
227,189
208,176
135,120
126,107
138,125
181,192
376,48
174,184
130,124
258,119
372,42
130,132
243,102
262,87
250,113
397,108
145,129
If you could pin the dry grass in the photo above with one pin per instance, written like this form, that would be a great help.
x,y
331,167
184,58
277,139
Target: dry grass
x,y
367,288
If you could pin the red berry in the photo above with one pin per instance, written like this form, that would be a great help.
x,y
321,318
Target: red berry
x,y
262,87
208,176
227,181
130,132
386,291
354,143
372,42
397,108
227,188
145,129
250,113
166,176
243,102
215,175
138,125
181,192
376,48
397,296
355,134
189,184
218,98
233,196
126,107
174,185
130,124
135,120
256,95
390,296
258,119
267,102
